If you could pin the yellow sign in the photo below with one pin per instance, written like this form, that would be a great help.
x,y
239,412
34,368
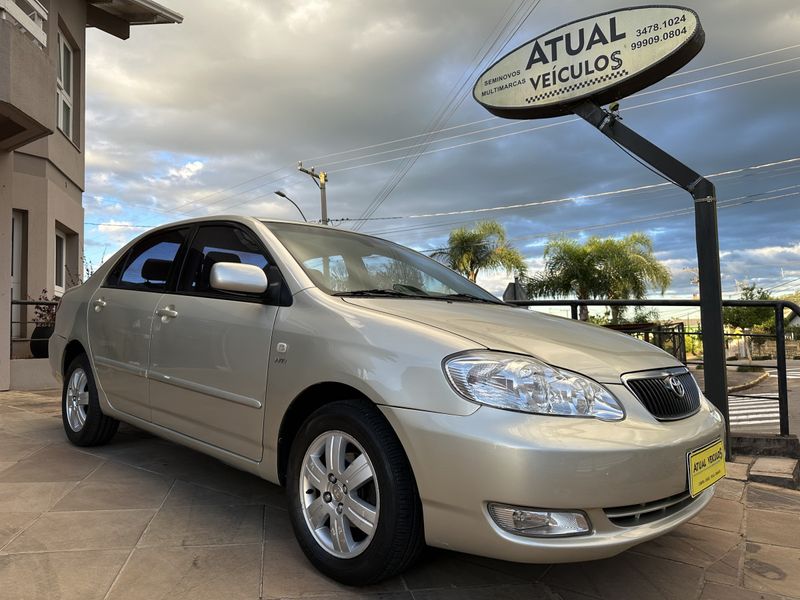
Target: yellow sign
x,y
706,467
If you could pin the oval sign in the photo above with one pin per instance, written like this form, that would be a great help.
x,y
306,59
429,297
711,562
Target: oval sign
x,y
605,57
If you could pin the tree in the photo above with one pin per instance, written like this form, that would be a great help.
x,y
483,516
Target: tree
x,y
747,317
602,268
484,247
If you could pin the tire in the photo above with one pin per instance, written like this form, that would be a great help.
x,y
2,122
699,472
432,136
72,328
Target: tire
x,y
360,554
84,421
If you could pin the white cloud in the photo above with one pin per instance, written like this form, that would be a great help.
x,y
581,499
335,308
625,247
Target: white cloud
x,y
187,171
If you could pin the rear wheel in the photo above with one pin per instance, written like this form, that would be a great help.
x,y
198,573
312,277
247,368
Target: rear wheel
x,y
353,500
84,421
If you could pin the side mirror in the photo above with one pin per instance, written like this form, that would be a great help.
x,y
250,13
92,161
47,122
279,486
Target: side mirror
x,y
235,277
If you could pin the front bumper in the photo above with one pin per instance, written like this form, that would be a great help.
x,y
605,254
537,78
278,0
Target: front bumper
x,y
461,463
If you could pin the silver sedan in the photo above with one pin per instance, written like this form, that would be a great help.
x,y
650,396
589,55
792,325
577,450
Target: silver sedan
x,y
398,403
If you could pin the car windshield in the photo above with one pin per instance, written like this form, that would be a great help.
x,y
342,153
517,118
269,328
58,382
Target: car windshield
x,y
349,264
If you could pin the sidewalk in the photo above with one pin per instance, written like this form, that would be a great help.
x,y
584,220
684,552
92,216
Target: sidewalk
x,y
143,518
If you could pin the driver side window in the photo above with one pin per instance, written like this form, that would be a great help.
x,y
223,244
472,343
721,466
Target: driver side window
x,y
220,243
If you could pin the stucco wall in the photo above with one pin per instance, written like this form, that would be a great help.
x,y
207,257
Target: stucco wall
x,y
70,17
5,268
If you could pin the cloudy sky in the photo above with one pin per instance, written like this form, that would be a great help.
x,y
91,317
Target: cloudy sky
x,y
211,117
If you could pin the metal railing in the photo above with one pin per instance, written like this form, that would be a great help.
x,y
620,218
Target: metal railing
x,y
26,324
29,15
778,306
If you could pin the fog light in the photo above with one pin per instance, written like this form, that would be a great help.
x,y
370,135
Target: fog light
x,y
539,523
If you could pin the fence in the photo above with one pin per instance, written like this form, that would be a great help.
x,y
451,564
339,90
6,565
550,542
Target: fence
x,y
24,324
778,306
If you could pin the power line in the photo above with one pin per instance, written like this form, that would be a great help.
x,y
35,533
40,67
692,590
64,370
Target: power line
x,y
327,165
246,181
449,110
720,76
755,170
492,118
735,60
596,194
739,172
526,130
572,120
652,217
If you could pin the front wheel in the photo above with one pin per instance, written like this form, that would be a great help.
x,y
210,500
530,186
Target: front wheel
x,y
84,421
354,504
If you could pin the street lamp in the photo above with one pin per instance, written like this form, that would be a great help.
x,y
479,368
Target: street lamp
x,y
321,179
282,195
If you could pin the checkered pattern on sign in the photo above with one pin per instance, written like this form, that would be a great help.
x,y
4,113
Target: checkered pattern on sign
x,y
577,86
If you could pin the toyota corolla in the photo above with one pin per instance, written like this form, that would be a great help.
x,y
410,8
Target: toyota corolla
x,y
397,402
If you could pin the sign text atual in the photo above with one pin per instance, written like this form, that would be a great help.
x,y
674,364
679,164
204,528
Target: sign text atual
x,y
606,57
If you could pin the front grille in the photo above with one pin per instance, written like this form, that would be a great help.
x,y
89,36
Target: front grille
x,y
647,512
659,394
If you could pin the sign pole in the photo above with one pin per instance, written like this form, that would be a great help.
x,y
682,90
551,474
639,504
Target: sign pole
x,y
592,62
707,238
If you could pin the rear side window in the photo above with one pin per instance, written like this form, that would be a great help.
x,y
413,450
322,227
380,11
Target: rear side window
x,y
219,243
150,263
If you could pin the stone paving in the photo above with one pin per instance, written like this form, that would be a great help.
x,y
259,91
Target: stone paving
x,y
142,518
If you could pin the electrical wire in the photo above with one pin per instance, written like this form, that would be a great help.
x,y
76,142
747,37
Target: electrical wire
x,y
572,120
484,120
454,104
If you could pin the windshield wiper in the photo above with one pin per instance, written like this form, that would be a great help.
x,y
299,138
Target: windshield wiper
x,y
378,292
468,298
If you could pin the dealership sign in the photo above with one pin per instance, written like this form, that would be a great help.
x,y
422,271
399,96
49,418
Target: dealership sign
x,y
605,57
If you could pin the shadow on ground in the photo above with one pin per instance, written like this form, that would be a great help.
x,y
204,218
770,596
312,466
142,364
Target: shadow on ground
x,y
143,518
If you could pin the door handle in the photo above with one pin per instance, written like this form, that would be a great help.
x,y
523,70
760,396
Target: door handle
x,y
166,313
99,304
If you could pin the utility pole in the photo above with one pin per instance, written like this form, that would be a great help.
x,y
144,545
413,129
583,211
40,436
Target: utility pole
x,y
320,179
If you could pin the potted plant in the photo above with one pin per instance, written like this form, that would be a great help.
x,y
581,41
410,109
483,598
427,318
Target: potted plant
x,y
44,320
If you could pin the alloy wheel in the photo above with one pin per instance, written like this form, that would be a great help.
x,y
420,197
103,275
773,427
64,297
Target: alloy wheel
x,y
77,400
339,494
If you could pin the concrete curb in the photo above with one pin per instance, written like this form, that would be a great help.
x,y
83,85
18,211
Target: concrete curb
x,y
748,385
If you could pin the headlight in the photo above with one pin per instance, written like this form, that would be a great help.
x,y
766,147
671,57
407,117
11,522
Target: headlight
x,y
515,382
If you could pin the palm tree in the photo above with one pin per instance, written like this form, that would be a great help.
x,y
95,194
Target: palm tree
x,y
470,251
601,268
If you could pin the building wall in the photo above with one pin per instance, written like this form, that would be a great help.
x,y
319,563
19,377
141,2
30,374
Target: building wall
x,y
45,179
5,269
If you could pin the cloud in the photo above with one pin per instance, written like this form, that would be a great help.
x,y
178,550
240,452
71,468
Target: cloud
x,y
211,116
187,171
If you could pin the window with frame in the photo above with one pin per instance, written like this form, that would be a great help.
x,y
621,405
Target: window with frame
x,y
150,263
65,85
214,244
60,263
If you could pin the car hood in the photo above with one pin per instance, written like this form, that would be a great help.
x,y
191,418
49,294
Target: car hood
x,y
597,352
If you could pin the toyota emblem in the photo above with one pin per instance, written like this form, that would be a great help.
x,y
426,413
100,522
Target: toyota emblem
x,y
674,384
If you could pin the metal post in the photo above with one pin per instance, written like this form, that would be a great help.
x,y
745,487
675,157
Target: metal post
x,y
714,359
707,239
323,179
320,179
574,310
780,356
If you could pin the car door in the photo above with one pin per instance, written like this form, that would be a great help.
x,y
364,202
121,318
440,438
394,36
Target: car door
x,y
120,318
210,349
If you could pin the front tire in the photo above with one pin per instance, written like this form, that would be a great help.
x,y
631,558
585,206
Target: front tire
x,y
84,421
353,501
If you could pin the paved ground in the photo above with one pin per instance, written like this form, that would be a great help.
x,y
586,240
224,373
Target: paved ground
x,y
145,519
755,410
